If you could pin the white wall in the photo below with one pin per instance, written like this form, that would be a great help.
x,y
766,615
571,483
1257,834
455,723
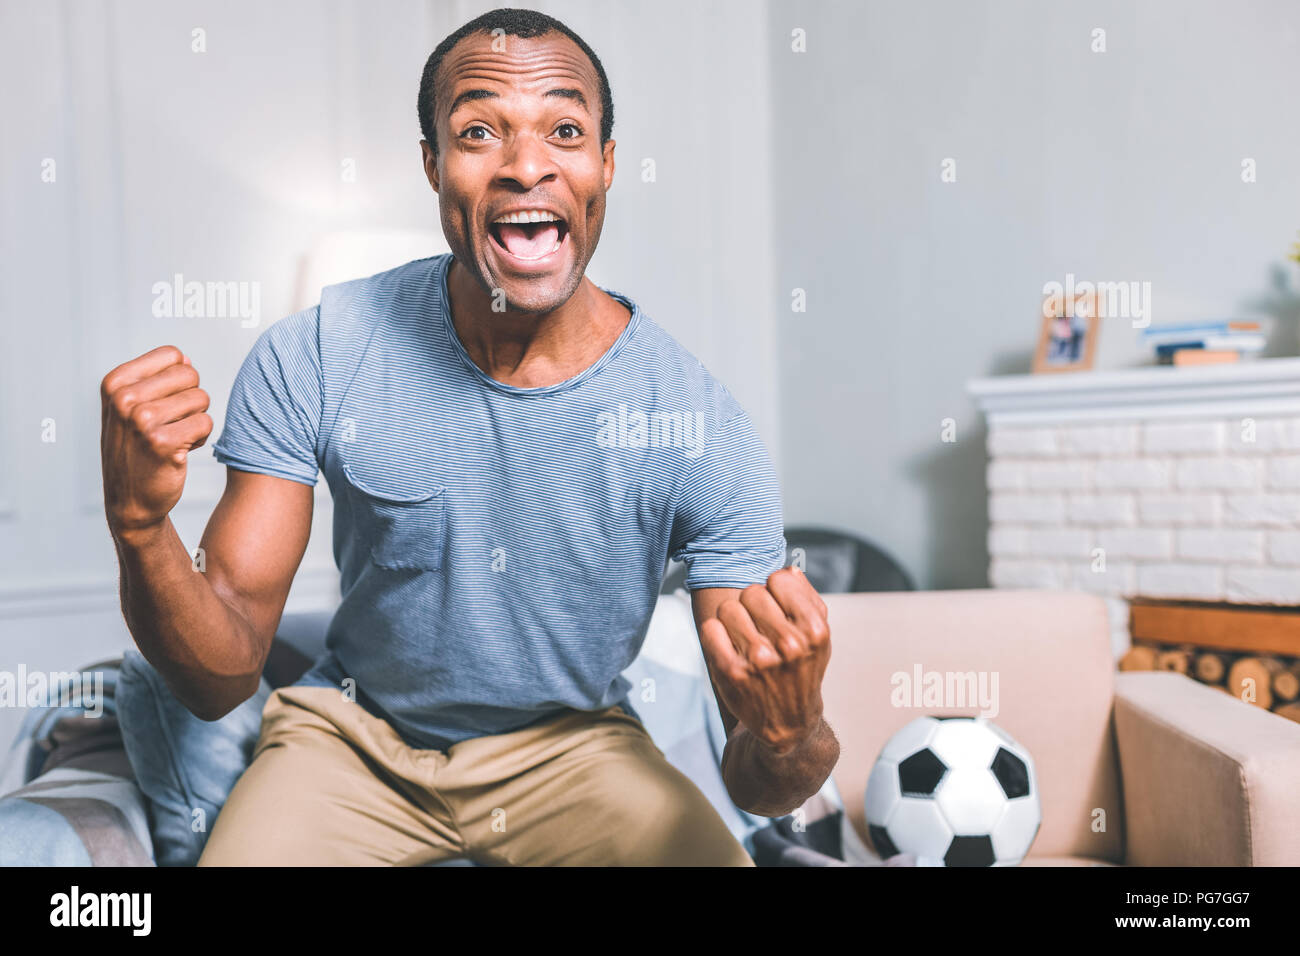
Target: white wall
x,y
226,165
1123,165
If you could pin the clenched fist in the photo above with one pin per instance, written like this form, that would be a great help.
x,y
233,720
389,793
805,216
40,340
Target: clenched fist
x,y
154,415
767,650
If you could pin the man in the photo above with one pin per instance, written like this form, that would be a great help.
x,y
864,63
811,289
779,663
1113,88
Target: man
x,y
513,454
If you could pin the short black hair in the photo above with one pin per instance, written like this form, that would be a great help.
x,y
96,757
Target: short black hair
x,y
515,23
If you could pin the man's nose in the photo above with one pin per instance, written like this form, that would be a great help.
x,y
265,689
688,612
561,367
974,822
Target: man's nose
x,y
528,162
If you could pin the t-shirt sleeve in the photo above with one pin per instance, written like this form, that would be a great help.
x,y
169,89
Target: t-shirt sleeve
x,y
728,528
274,413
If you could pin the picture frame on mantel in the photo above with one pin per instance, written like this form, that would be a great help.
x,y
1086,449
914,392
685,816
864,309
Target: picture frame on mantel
x,y
1067,337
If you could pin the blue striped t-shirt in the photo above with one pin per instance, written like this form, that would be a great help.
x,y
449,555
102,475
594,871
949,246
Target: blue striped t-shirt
x,y
500,548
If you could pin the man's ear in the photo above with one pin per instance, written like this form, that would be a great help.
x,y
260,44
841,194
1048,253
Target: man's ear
x,y
608,159
430,159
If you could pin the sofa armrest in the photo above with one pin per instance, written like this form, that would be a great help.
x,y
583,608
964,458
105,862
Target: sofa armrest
x,y
1208,780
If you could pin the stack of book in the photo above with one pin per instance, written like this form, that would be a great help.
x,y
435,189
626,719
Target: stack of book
x,y
1205,343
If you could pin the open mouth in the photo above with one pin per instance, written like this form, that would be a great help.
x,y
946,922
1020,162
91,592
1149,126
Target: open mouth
x,y
529,236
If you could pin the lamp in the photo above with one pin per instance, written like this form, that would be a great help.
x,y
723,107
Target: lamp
x,y
356,253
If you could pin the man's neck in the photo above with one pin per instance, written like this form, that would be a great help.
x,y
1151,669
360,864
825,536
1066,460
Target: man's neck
x,y
532,350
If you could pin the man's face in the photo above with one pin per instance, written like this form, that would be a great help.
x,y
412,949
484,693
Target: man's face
x,y
519,141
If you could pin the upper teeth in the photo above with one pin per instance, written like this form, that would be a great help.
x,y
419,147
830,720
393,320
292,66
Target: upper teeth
x,y
528,215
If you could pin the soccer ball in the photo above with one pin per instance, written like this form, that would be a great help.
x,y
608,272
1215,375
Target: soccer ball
x,y
953,791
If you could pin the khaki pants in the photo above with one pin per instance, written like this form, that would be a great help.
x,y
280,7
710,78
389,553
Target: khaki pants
x,y
332,785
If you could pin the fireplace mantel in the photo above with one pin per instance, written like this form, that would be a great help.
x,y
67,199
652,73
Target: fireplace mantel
x,y
1259,387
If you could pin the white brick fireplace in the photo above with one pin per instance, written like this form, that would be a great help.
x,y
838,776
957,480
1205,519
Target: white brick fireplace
x,y
1158,482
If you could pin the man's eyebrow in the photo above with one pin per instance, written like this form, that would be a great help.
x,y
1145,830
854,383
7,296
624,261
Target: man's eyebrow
x,y
470,95
570,94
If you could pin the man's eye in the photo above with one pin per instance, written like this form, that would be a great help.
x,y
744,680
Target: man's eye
x,y
472,129
577,130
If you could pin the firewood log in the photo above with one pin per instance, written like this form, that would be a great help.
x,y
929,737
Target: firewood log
x,y
1286,683
1211,668
1139,658
1177,660
1251,680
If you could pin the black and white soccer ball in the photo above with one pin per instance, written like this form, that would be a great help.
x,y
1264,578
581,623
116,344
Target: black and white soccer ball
x,y
953,791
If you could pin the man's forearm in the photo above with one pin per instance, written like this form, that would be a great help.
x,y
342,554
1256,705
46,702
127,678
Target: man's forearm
x,y
204,649
762,782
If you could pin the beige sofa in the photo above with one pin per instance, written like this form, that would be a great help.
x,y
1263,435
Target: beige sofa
x,y
1185,774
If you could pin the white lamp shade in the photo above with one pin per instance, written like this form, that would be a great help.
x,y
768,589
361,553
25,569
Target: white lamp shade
x,y
354,254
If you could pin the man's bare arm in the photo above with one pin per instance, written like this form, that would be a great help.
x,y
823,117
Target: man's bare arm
x,y
767,649
207,632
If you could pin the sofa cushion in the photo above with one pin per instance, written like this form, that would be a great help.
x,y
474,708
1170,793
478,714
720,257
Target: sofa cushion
x,y
74,817
185,766
76,728
1050,654
78,804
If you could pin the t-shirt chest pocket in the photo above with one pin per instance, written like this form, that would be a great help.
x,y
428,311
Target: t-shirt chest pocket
x,y
406,531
